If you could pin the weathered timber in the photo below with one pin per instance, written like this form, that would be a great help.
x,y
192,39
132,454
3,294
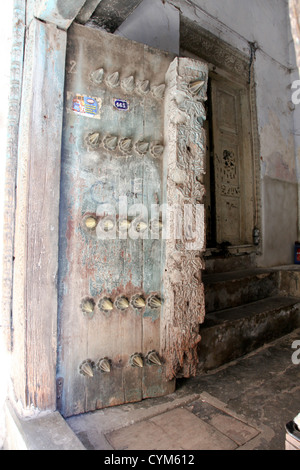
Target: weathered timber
x,y
184,306
36,241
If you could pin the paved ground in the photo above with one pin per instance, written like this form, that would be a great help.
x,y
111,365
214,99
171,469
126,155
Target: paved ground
x,y
244,405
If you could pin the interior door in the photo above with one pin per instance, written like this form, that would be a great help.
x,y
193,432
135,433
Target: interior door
x,y
233,162
110,274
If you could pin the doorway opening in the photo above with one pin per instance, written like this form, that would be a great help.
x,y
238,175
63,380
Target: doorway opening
x,y
232,202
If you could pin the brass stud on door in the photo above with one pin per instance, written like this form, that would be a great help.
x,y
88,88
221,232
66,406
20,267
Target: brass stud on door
x,y
154,301
125,145
104,365
88,307
138,301
141,227
143,87
142,147
86,368
156,225
152,358
93,140
97,76
136,360
159,91
113,80
108,225
106,305
124,225
122,303
157,150
90,222
110,142
128,84
196,86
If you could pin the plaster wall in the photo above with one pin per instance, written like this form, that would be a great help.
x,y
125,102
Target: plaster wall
x,y
239,23
154,23
6,33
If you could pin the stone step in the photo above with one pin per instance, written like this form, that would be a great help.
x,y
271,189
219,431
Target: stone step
x,y
232,333
232,289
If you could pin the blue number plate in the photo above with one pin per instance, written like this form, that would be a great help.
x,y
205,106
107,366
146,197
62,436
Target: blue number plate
x,y
122,105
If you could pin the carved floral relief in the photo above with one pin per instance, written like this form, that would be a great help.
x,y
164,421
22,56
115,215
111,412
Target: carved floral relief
x,y
186,144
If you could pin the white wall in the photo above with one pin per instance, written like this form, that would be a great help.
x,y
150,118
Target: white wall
x,y
237,22
5,50
154,23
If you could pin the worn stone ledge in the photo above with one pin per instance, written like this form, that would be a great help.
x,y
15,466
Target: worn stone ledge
x,y
46,432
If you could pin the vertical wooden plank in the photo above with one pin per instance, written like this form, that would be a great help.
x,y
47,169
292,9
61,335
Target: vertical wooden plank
x,y
36,246
154,377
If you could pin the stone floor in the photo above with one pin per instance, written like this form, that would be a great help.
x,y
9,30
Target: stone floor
x,y
244,405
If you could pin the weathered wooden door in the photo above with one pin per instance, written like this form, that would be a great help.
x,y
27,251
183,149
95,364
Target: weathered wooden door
x,y
233,162
110,268
111,246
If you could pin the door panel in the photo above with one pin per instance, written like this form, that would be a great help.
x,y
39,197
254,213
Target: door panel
x,y
111,172
233,166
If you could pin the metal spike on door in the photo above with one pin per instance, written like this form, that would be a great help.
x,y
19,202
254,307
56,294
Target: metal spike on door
x,y
88,307
157,150
86,368
93,140
124,225
128,84
141,227
97,76
136,360
104,365
122,303
106,305
152,358
143,87
110,142
108,225
90,222
142,147
125,145
159,91
113,80
196,86
154,301
138,301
